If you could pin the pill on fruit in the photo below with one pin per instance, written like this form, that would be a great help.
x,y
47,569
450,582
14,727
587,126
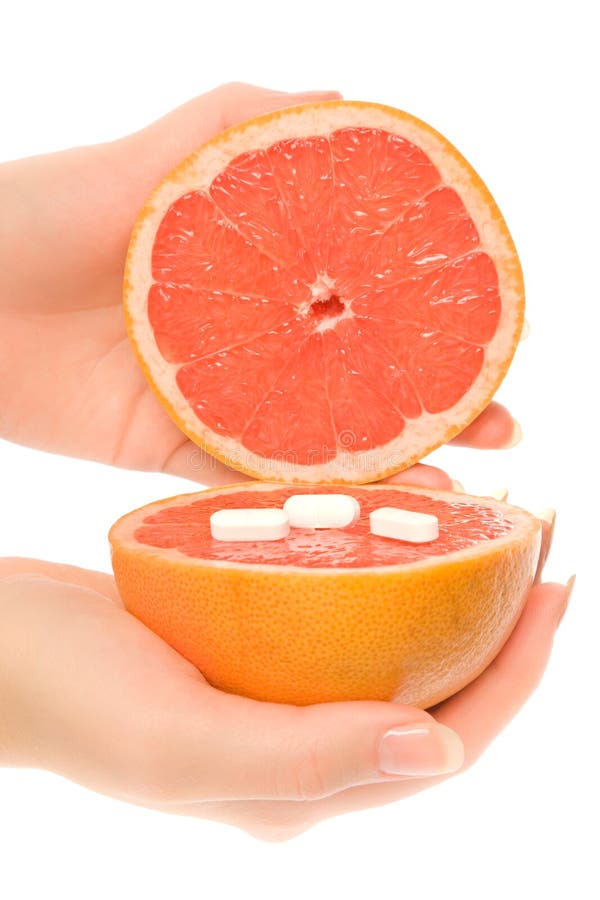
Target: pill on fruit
x,y
404,525
321,510
249,525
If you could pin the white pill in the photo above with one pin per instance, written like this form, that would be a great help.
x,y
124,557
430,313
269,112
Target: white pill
x,y
249,525
403,525
321,510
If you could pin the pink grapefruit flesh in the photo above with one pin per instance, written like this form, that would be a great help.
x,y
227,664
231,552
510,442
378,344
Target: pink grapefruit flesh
x,y
186,528
325,294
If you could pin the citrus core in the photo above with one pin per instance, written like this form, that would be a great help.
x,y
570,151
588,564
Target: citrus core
x,y
323,294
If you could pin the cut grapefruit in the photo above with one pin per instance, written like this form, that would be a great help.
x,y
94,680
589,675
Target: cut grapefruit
x,y
323,294
335,614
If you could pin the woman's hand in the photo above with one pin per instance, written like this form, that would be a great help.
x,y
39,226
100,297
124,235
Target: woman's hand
x,y
69,382
89,692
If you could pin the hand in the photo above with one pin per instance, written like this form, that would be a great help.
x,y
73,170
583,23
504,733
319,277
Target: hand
x,y
89,692
69,382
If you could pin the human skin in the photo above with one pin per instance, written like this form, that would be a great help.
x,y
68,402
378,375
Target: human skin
x,y
88,692
85,689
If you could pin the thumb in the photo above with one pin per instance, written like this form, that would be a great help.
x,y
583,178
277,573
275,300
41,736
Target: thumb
x,y
244,749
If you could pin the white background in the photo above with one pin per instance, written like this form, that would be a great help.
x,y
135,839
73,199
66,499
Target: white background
x,y
511,85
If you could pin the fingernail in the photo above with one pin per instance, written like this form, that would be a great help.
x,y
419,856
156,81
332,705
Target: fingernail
x,y
517,434
420,750
320,95
500,494
549,516
569,586
457,486
525,331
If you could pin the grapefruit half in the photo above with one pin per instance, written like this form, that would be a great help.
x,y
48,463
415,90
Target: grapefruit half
x,y
336,614
323,294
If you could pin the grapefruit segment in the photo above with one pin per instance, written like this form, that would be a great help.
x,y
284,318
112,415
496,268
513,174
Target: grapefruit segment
x,y
295,412
334,614
196,245
297,166
248,196
354,244
242,376
462,298
377,178
362,415
443,369
181,335
383,363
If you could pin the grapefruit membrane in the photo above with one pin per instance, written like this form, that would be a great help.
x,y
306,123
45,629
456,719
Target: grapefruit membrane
x,y
332,614
323,294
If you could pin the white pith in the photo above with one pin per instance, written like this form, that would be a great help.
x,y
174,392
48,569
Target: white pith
x,y
321,290
419,435
524,525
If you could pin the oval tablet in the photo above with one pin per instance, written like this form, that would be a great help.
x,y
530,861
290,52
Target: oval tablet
x,y
321,510
404,525
249,525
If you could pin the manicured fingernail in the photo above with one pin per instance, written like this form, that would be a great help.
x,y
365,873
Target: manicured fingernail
x,y
517,434
549,516
318,95
569,586
525,331
500,494
420,750
457,486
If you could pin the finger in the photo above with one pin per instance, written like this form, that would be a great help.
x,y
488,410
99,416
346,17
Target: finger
x,y
422,475
283,752
478,713
268,820
190,461
481,710
548,519
19,567
493,429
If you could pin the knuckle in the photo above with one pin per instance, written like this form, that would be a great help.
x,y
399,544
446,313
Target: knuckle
x,y
302,776
147,767
231,89
275,834
275,822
